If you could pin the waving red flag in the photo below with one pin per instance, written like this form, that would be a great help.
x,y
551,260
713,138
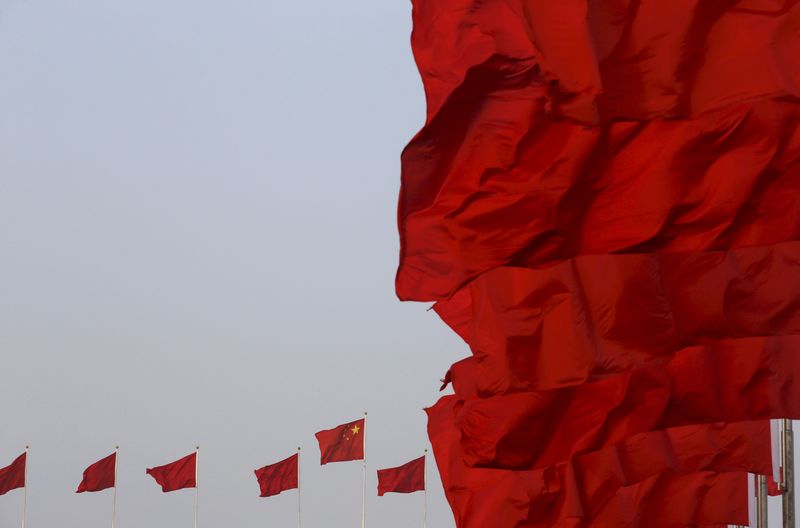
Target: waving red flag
x,y
13,476
651,175
408,478
573,492
748,380
100,475
278,477
177,475
342,443
601,314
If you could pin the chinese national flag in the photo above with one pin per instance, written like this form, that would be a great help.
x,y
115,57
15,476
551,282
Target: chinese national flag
x,y
178,475
278,477
13,476
100,475
343,443
407,478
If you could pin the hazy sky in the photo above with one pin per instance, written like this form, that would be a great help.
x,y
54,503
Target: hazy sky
x,y
198,245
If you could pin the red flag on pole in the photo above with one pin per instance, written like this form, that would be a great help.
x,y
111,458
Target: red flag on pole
x,y
177,475
13,476
278,477
342,443
408,478
100,475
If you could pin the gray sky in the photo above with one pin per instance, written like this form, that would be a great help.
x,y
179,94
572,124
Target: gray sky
x,y
198,245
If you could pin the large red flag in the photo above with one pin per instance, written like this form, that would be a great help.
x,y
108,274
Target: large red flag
x,y
493,179
748,380
278,477
585,486
100,475
596,315
408,478
177,475
342,443
13,476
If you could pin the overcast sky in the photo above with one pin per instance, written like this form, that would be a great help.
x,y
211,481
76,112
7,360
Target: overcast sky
x,y
198,244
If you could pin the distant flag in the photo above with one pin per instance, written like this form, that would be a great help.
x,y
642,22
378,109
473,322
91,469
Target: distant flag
x,y
13,476
278,477
99,476
408,478
177,475
342,443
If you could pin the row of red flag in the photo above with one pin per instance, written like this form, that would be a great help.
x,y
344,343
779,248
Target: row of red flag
x,y
340,444
604,203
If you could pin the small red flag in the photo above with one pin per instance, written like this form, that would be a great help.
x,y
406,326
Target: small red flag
x,y
100,475
180,474
774,488
343,443
278,477
13,476
407,478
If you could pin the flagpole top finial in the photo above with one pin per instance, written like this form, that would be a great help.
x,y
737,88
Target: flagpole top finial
x,y
198,448
116,447
298,448
426,449
365,413
27,447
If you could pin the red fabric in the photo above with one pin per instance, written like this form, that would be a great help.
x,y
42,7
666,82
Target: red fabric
x,y
599,483
408,478
100,475
13,476
496,177
669,501
572,494
342,443
597,315
177,475
278,477
747,379
773,488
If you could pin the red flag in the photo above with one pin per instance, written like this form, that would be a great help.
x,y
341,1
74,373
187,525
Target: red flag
x,y
278,477
342,443
100,475
585,486
408,478
177,475
596,315
539,189
749,379
13,476
773,488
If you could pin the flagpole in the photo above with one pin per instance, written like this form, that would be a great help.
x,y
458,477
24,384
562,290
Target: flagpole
x,y
25,491
761,502
425,489
114,503
299,520
787,457
364,478
196,485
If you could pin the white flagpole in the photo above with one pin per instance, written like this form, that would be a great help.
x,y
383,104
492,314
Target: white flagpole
x,y
364,478
299,520
196,485
25,490
114,503
425,490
